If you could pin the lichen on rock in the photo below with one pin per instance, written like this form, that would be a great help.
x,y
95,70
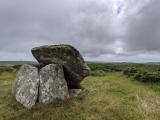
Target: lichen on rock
x,y
75,69
25,87
52,83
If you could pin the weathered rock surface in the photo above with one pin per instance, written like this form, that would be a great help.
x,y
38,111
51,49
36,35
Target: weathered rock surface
x,y
74,92
52,83
25,87
73,63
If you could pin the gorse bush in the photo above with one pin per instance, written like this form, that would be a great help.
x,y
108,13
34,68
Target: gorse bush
x,y
107,67
5,69
144,74
129,71
98,73
141,72
99,69
17,66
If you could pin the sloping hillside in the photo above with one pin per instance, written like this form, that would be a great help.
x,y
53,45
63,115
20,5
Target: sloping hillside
x,y
111,97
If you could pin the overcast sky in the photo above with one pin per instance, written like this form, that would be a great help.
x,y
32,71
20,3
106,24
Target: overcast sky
x,y
102,30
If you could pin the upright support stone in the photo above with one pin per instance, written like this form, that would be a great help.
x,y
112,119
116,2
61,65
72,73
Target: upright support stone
x,y
52,83
25,87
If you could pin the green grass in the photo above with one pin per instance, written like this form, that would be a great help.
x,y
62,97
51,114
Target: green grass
x,y
109,97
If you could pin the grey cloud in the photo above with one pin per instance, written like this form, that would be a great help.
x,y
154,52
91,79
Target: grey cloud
x,y
143,28
93,27
82,25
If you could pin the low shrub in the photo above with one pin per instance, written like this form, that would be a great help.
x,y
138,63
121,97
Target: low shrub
x,y
106,67
98,73
129,71
17,66
143,74
6,69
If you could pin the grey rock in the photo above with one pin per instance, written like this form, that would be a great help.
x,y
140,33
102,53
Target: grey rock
x,y
25,86
72,61
74,92
52,83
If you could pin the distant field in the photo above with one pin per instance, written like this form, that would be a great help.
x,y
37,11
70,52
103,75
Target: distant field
x,y
88,62
16,62
107,95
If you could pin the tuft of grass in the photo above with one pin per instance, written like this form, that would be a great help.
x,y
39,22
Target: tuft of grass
x,y
111,97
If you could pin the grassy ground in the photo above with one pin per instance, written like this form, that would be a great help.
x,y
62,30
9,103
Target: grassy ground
x,y
111,97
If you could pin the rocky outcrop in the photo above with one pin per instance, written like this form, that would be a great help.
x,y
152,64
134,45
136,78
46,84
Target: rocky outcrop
x,y
59,74
52,83
73,63
25,87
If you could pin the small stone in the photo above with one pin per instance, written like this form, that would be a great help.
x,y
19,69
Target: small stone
x,y
74,92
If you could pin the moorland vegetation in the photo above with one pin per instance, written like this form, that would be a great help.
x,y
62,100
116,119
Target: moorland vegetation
x,y
114,91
